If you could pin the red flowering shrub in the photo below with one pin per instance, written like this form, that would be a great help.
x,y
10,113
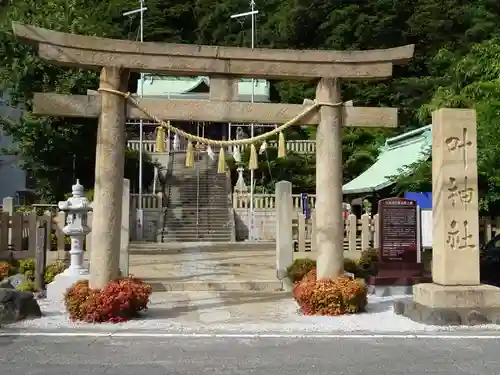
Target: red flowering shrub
x,y
4,270
118,301
330,296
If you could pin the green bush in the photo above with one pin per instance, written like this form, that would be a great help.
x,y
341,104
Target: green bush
x,y
297,270
52,270
27,268
27,286
27,265
300,267
367,263
350,266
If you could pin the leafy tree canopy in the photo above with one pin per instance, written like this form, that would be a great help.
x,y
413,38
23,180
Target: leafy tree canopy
x,y
454,65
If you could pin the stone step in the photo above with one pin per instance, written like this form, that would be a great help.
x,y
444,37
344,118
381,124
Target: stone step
x,y
194,233
168,232
187,212
200,246
194,239
216,286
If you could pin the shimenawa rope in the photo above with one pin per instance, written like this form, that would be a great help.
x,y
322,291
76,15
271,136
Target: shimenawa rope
x,y
253,164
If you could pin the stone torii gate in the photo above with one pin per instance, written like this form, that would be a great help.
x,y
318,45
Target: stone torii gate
x,y
224,65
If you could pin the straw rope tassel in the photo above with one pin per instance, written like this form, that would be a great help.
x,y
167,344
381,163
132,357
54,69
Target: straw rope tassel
x,y
160,139
253,163
281,146
190,155
221,168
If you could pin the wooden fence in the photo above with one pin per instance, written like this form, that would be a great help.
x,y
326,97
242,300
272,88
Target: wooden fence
x,y
148,201
363,233
18,235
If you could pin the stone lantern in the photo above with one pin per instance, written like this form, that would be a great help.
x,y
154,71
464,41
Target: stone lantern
x,y
241,186
77,208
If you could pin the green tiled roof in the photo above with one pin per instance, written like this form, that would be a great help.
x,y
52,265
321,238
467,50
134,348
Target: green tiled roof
x,y
397,153
182,87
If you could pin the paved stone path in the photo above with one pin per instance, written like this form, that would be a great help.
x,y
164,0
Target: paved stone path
x,y
194,269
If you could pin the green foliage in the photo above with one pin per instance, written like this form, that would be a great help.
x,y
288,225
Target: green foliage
x,y
455,64
55,151
367,263
24,209
52,270
27,265
27,286
299,268
470,81
27,268
350,266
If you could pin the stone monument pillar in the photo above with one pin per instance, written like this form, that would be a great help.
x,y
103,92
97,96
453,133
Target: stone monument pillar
x,y
77,208
456,295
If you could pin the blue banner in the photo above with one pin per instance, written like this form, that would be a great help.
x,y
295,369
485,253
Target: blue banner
x,y
305,205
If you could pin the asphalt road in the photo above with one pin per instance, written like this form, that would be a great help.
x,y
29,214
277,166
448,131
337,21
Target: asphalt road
x,y
269,356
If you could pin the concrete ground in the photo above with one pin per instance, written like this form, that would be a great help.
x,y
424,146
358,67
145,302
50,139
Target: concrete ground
x,y
241,356
201,291
198,270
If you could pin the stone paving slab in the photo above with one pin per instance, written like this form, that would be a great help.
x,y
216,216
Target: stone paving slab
x,y
209,285
197,271
149,248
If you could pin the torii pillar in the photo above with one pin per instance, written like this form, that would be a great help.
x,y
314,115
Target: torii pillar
x,y
109,171
329,211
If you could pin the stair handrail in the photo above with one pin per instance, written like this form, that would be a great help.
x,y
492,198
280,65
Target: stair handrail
x,y
229,190
165,202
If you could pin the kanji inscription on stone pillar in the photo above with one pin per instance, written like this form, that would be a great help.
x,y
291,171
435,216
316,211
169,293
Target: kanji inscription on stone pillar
x,y
455,202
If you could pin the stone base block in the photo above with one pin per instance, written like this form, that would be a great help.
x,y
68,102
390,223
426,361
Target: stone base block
x,y
390,290
459,296
57,288
452,305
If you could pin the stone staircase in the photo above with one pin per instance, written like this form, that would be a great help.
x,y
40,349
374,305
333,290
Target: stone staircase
x,y
198,202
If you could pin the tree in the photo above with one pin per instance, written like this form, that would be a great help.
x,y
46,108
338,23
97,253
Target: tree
x,y
56,150
450,25
472,81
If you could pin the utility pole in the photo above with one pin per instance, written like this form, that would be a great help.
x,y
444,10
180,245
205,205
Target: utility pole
x,y
252,13
140,212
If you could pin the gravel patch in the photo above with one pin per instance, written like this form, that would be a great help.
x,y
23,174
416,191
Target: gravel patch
x,y
282,316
